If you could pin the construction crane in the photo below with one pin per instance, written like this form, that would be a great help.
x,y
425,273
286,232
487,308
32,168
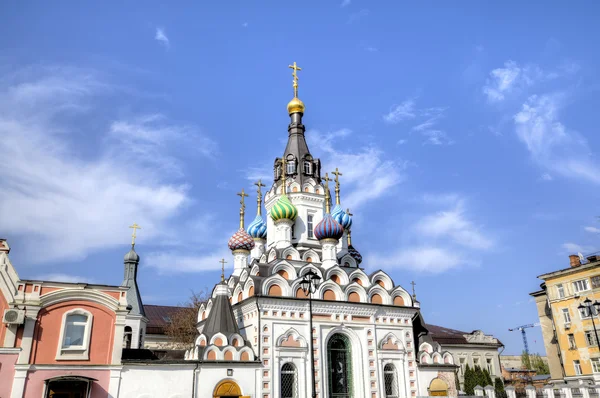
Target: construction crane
x,y
523,334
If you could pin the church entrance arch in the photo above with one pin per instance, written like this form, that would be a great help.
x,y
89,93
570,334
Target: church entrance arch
x,y
339,361
228,389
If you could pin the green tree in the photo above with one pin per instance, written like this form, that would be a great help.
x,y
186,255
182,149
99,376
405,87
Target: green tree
x,y
469,385
526,360
539,365
488,378
479,377
499,388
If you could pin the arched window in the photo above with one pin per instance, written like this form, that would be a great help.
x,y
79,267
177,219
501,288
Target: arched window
x,y
290,165
127,337
75,335
289,381
391,381
339,360
307,167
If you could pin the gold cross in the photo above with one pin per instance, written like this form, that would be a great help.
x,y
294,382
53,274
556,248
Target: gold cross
x,y
243,195
133,236
259,185
223,262
327,205
295,74
337,185
349,229
413,289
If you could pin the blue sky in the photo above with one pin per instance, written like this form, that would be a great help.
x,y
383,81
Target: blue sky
x,y
464,133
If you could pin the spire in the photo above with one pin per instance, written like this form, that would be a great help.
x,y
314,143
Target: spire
x,y
337,185
131,262
295,105
259,185
327,195
243,195
413,289
223,262
220,318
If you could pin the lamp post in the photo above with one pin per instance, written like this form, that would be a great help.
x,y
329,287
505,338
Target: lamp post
x,y
309,283
587,306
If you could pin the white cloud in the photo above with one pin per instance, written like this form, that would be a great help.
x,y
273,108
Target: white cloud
x,y
550,143
57,277
573,248
367,175
345,3
398,113
64,200
162,37
546,177
245,25
502,80
175,262
593,230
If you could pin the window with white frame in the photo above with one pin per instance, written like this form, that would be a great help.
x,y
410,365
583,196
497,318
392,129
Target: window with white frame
x,y
307,167
572,344
489,365
566,315
462,365
75,335
590,338
475,362
577,367
596,365
560,291
581,286
309,226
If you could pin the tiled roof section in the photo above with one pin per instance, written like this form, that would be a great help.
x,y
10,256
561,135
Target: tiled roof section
x,y
445,335
158,316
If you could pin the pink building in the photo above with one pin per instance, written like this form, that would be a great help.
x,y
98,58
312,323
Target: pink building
x,y
65,339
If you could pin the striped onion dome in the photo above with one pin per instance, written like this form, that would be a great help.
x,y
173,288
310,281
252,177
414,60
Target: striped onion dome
x,y
257,228
283,209
328,228
241,241
341,217
355,254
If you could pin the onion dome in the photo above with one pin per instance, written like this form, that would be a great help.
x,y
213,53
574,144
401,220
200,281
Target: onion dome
x,y
283,209
295,106
354,254
341,217
241,241
132,257
328,228
257,228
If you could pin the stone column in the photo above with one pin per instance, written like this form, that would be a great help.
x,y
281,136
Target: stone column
x,y
329,253
530,391
567,392
26,343
510,392
115,382
479,391
283,233
117,350
240,261
490,392
549,390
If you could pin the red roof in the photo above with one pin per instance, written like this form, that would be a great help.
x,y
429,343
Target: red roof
x,y
159,317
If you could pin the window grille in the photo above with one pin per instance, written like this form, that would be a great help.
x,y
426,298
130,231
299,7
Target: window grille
x,y
593,392
339,367
391,381
576,392
289,381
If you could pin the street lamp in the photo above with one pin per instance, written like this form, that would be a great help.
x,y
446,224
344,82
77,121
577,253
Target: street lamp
x,y
309,283
587,306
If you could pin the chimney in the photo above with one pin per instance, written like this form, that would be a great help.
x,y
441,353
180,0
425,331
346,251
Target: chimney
x,y
574,260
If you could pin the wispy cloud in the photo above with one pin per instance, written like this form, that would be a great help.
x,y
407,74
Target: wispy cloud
x,y
170,262
401,112
345,3
57,277
573,248
428,118
546,177
162,38
441,241
355,17
593,230
367,174
550,143
245,25
102,191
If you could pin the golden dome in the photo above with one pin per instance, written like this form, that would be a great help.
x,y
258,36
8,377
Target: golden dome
x,y
295,105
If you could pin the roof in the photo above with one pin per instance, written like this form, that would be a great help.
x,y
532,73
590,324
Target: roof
x,y
445,335
220,319
158,317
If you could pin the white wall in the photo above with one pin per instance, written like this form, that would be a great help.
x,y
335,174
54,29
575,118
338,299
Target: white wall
x,y
156,381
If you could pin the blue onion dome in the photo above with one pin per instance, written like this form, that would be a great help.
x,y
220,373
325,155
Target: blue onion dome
x,y
257,228
355,254
241,241
341,217
284,209
328,228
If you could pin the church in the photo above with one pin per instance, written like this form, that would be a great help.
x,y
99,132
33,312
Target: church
x,y
297,317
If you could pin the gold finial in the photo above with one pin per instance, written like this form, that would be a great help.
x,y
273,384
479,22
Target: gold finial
x,y
259,185
283,176
223,262
242,207
296,68
413,289
133,235
327,198
337,185
349,229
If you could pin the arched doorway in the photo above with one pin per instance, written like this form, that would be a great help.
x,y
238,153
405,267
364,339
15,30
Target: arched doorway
x,y
339,360
228,389
438,388
68,387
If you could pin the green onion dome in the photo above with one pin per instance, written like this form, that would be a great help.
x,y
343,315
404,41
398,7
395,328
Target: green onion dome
x,y
284,209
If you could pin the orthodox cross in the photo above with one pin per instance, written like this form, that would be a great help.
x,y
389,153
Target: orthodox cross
x,y
327,198
223,262
337,185
133,236
295,74
259,185
413,289
243,195
349,229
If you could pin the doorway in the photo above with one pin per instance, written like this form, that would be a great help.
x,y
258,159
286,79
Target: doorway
x,y
68,388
